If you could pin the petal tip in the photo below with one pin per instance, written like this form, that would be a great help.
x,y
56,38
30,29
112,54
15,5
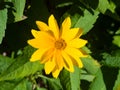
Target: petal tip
x,y
37,22
51,16
32,60
29,42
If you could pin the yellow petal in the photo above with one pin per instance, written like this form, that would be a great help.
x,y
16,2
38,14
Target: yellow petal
x,y
80,64
77,62
42,26
43,40
34,43
35,33
75,58
53,26
66,25
49,66
55,73
74,52
67,62
71,34
47,55
77,43
37,55
58,59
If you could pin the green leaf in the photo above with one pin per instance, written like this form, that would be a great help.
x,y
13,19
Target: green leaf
x,y
103,5
16,85
116,40
19,6
6,85
3,21
38,88
85,22
112,7
63,3
54,84
117,82
86,49
22,67
70,81
21,71
93,67
118,31
23,85
75,79
86,76
98,82
111,61
5,62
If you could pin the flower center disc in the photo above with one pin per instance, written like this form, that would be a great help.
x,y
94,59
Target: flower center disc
x,y
60,44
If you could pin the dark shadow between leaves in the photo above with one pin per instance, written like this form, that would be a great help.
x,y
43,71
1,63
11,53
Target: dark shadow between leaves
x,y
4,5
109,75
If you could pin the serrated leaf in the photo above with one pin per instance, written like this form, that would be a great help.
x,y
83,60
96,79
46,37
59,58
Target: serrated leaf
x,y
117,82
5,62
21,71
111,61
85,22
112,7
103,5
22,67
15,85
19,6
70,81
3,22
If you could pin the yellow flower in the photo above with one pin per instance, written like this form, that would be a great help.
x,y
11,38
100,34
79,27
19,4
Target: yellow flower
x,y
57,48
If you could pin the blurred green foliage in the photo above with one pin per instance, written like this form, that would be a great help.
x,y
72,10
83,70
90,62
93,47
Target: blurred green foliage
x,y
100,20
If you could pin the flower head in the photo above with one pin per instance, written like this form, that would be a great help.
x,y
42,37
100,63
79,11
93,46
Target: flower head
x,y
57,48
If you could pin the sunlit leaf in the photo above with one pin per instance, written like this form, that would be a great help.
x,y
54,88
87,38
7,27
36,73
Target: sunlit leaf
x,y
3,22
116,40
19,6
70,81
93,67
98,82
103,5
85,22
86,76
22,67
